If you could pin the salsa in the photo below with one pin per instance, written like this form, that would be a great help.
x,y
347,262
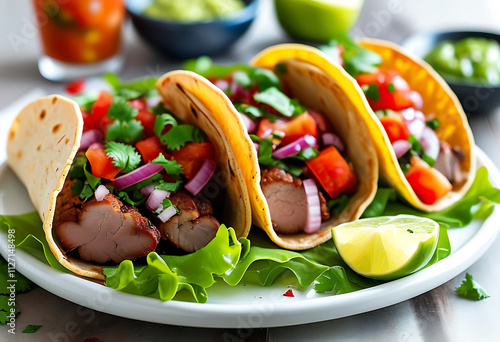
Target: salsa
x,y
193,10
470,60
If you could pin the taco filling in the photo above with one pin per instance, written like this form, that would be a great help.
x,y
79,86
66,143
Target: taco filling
x,y
305,175
136,180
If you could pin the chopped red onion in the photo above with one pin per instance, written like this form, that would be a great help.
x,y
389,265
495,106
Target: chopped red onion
x,y
156,198
332,139
141,173
417,99
313,220
153,101
295,147
100,192
401,147
90,137
221,84
147,190
266,133
430,142
249,124
96,145
167,214
201,178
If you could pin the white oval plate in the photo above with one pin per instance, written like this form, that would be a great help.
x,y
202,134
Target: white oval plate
x,y
247,306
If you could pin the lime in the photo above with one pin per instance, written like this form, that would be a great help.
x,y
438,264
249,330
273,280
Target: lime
x,y
387,247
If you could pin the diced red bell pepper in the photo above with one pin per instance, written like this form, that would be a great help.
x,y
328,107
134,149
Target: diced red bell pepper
x,y
428,183
192,155
332,172
101,164
98,111
75,87
150,148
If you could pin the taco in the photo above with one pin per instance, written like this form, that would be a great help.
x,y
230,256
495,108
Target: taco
x,y
126,178
295,125
424,143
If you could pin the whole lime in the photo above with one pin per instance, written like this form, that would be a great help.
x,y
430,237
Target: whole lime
x,y
317,20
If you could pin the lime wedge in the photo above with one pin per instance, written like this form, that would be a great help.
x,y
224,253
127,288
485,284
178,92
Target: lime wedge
x,y
387,247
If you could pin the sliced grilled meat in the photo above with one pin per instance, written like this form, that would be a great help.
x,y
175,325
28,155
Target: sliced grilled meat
x,y
286,198
194,226
448,162
107,230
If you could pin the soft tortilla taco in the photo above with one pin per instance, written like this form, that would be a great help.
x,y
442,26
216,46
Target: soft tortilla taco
x,y
424,143
126,178
294,122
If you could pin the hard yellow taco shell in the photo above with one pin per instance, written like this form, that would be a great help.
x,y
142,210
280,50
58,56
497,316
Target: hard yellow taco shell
x,y
44,139
439,100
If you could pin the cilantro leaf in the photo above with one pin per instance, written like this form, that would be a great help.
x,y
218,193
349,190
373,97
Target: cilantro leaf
x,y
179,135
169,186
205,67
85,101
265,79
433,124
124,156
161,121
166,203
133,197
469,289
30,329
279,101
171,166
252,111
391,87
125,131
265,157
121,110
242,78
142,85
371,91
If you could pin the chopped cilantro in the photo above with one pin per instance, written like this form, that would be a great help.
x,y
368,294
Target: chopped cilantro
x,y
86,192
371,91
121,110
242,79
85,101
166,203
125,131
265,157
433,124
391,87
179,135
171,166
133,197
124,156
280,68
78,166
417,150
30,329
169,186
158,109
162,121
128,94
305,154
470,289
265,79
142,85
252,111
337,205
205,67
90,179
279,101
409,231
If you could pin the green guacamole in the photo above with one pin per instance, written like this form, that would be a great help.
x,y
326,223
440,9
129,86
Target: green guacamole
x,y
470,60
193,10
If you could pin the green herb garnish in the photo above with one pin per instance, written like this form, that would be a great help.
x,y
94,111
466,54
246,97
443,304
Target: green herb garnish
x,y
171,166
470,289
124,156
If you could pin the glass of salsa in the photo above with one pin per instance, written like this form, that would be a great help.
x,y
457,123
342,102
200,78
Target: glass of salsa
x,y
79,37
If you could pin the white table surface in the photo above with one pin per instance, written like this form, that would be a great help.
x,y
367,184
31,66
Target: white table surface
x,y
438,315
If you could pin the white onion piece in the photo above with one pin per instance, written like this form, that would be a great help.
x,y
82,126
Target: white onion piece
x,y
417,99
156,198
96,145
295,147
201,178
100,192
249,124
333,140
153,101
90,137
167,214
266,133
401,147
416,128
141,173
430,143
313,219
148,189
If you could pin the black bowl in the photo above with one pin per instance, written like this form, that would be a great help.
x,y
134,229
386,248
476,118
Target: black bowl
x,y
475,98
189,40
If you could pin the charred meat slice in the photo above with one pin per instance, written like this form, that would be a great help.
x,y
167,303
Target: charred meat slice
x,y
286,198
448,162
194,226
107,230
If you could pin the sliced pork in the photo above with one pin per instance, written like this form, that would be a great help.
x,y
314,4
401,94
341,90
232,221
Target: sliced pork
x,y
286,199
448,162
194,226
107,230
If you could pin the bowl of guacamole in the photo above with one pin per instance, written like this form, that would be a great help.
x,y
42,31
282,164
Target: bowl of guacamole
x,y
191,28
469,61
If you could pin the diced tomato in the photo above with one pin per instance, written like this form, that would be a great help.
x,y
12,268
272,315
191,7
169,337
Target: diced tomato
x,y
140,103
394,127
394,92
150,148
192,155
333,172
98,111
101,165
428,183
294,129
148,122
75,87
